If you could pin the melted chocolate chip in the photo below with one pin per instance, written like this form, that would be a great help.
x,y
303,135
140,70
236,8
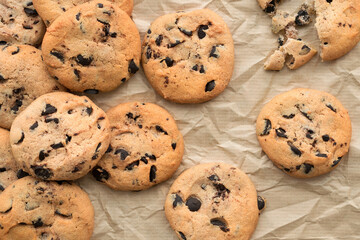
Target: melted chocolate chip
x,y
169,62
133,68
132,165
159,40
202,69
35,125
109,149
267,128
113,34
38,223
160,129
187,33
182,236
123,154
173,145
201,33
57,212
55,120
42,172
336,162
20,174
323,155
81,60
280,132
150,156
309,134
68,139
2,79
214,177
177,201
100,174
220,223
329,1
91,91
18,103
100,5
331,108
57,145
148,52
307,167
144,160
171,45
213,52
96,154
193,204
77,73
294,149
1,189
326,138
78,16
89,110
261,203
58,55
152,175
270,7
49,109
27,27
22,138
210,86
16,51
2,170
42,155
30,12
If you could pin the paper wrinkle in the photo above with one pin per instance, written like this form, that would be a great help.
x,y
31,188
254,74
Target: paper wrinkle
x,y
326,207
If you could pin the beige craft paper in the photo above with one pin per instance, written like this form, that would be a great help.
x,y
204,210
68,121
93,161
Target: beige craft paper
x,y
223,129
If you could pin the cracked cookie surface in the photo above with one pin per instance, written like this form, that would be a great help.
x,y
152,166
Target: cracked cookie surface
x,y
23,78
188,57
92,47
213,201
20,23
49,10
305,132
60,136
146,147
33,209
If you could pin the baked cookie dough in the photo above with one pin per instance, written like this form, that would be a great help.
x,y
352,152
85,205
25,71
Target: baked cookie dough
x,y
305,132
49,10
23,78
213,201
33,209
20,23
92,47
188,57
60,136
146,147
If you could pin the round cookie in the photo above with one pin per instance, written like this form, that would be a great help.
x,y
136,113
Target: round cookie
x,y
338,26
49,10
188,57
146,147
20,23
23,78
213,201
33,209
92,47
9,172
60,136
305,132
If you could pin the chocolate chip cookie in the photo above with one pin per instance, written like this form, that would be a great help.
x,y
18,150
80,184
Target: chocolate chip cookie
x,y
20,23
49,10
9,172
338,26
213,201
23,78
305,132
33,209
146,147
60,136
92,47
188,57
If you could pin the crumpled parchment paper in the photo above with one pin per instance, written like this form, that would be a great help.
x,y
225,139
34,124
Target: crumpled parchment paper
x,y
326,207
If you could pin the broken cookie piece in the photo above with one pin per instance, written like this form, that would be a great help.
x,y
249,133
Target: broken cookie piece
x,y
281,20
294,52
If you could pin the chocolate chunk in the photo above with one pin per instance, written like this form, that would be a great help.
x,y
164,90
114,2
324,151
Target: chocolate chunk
x,y
132,165
78,16
169,62
42,172
18,103
100,5
130,115
89,110
16,51
57,212
77,73
152,173
331,107
55,120
298,167
144,160
261,203
21,173
57,145
80,59
35,125
2,79
187,33
280,132
159,40
177,201
302,18
195,67
1,189
304,50
212,52
160,129
100,174
202,69
109,149
22,138
201,33
3,43
323,155
91,91
325,138
2,170
329,1
30,12
182,236
270,7
27,27
49,109
148,52
286,169
221,190
133,68
123,154
220,223
96,154
173,145
210,86
171,45
113,34
214,177
58,55
149,31
303,113
336,162
193,204
38,223
150,156
42,155
294,149
307,167
309,134
68,139
267,128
